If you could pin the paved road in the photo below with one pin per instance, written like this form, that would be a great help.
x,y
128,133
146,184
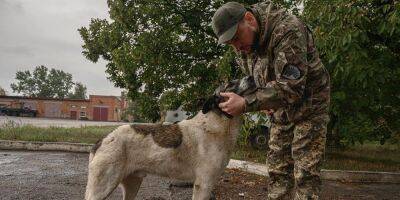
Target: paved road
x,y
46,122
60,175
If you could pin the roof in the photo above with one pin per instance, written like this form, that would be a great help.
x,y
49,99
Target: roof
x,y
42,98
105,96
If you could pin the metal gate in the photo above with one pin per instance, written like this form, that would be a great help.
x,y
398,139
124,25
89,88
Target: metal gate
x,y
52,109
100,113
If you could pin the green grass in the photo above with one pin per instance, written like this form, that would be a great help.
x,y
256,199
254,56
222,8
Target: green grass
x,y
368,157
371,157
84,134
249,154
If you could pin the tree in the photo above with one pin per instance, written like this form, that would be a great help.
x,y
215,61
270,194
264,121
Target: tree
x,y
43,83
158,46
2,92
167,47
79,91
359,42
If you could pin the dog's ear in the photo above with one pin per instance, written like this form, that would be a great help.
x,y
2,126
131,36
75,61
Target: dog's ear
x,y
200,102
212,104
247,85
232,86
208,105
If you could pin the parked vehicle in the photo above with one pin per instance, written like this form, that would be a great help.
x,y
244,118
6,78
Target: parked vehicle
x,y
19,112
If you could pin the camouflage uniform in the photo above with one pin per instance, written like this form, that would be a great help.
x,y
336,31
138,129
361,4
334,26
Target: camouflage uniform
x,y
292,81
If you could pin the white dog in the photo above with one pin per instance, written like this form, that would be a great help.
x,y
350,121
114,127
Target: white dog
x,y
195,150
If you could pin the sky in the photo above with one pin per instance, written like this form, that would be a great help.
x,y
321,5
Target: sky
x,y
45,32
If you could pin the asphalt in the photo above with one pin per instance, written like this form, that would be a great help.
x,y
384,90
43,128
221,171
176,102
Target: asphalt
x,y
60,175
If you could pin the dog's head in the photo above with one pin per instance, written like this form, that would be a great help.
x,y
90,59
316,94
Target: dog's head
x,y
241,87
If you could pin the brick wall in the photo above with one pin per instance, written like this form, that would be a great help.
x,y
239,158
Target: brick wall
x,y
69,108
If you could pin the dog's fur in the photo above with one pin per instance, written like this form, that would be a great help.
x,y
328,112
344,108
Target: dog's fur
x,y
195,150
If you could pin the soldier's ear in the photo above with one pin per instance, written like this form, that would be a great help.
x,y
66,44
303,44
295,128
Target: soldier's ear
x,y
250,18
248,15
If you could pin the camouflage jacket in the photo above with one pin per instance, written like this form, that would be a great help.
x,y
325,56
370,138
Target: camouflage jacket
x,y
290,77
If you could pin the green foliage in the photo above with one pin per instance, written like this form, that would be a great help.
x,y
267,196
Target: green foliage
x,y
43,83
165,54
359,42
157,46
250,122
79,91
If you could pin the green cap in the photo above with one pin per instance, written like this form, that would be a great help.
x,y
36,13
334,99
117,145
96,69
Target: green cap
x,y
226,20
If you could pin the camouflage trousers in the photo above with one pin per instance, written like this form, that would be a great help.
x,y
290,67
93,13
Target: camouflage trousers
x,y
294,159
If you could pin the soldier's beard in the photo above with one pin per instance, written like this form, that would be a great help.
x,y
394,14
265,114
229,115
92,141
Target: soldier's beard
x,y
254,45
256,39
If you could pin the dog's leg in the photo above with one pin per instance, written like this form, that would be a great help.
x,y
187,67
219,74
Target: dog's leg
x,y
131,185
203,186
106,171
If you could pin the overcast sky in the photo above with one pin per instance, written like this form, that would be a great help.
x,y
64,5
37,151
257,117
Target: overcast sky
x,y
44,32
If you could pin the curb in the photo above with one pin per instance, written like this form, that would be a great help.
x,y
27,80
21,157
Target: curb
x,y
329,175
251,167
45,146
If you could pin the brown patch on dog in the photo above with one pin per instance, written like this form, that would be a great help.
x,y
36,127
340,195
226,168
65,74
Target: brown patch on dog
x,y
96,146
166,136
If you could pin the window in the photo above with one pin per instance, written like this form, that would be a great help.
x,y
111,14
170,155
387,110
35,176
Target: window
x,y
83,114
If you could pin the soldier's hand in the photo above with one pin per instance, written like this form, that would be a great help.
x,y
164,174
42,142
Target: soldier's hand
x,y
233,105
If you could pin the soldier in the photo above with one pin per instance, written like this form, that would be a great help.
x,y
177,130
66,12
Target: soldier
x,y
278,50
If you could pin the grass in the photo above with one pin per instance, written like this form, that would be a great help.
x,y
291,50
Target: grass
x,y
249,154
371,157
84,134
367,157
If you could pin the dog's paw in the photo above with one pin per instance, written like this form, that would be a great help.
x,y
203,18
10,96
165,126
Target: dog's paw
x,y
213,196
181,184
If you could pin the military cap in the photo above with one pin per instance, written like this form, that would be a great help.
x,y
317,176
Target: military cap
x,y
226,20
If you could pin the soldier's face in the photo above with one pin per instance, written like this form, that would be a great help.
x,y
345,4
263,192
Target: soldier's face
x,y
245,35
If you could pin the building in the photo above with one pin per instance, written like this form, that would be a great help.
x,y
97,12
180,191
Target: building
x,y
97,107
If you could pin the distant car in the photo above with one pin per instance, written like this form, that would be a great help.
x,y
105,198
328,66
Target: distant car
x,y
18,112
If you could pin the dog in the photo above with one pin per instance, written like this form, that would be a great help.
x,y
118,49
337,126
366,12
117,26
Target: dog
x,y
195,150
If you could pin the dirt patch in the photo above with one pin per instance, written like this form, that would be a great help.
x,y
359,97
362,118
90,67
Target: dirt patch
x,y
235,185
